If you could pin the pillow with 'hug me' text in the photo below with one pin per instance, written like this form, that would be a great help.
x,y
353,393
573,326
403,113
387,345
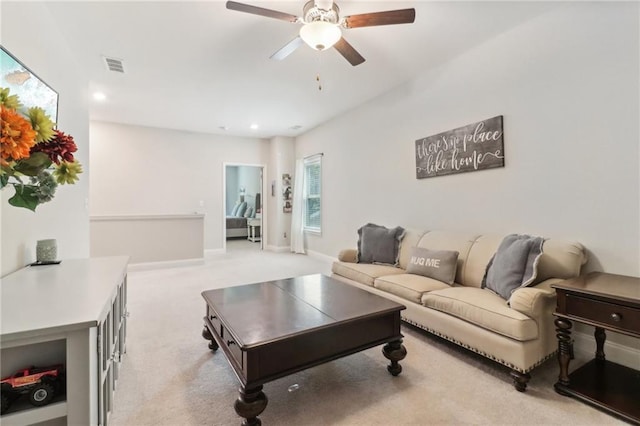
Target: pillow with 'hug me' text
x,y
437,264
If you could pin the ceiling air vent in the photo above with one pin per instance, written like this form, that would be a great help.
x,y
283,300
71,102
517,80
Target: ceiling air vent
x,y
114,64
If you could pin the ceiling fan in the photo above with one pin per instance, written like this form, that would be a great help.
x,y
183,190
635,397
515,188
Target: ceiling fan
x,y
321,23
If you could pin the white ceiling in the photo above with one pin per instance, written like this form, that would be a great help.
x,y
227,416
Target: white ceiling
x,y
197,66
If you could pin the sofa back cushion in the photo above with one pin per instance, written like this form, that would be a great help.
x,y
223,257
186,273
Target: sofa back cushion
x,y
479,256
452,241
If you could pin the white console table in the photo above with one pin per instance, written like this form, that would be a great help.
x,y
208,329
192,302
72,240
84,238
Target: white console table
x,y
73,313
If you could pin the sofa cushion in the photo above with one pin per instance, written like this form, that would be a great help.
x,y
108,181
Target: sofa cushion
x,y
437,264
483,308
479,257
364,273
379,244
408,286
514,265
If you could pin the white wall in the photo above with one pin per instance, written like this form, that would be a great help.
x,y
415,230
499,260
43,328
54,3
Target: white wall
x,y
249,178
44,51
231,184
281,160
149,171
567,86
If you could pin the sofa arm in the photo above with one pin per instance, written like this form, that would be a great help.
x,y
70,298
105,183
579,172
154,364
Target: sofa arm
x,y
348,255
535,301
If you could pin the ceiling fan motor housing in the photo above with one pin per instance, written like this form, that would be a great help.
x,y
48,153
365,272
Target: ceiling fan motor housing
x,y
312,13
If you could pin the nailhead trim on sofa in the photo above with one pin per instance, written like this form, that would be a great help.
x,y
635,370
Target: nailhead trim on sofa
x,y
513,367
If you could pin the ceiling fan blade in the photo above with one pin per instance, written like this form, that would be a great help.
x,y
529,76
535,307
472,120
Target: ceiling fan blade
x,y
391,17
241,7
349,53
287,49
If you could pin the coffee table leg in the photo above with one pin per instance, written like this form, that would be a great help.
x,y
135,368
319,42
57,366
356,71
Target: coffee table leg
x,y
213,345
394,352
250,404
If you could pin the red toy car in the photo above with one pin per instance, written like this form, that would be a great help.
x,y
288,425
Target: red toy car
x,y
41,383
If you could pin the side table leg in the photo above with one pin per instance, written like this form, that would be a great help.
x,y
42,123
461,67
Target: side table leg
x,y
206,334
249,405
600,336
565,350
394,352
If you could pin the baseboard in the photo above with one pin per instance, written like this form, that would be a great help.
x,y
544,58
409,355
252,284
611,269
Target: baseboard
x,y
164,264
278,249
585,345
213,252
322,256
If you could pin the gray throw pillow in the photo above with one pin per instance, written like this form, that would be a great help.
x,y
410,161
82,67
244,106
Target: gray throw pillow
x,y
249,212
514,265
437,264
379,244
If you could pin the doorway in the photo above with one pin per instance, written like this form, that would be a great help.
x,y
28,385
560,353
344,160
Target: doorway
x,y
244,207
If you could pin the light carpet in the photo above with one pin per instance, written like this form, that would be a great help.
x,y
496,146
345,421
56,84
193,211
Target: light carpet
x,y
169,377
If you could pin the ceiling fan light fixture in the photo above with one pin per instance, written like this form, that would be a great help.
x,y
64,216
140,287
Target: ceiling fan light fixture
x,y
320,35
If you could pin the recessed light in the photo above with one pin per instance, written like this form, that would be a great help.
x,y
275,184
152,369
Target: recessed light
x,y
223,128
254,126
99,96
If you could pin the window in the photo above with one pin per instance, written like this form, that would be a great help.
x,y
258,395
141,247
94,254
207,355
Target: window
x,y
312,193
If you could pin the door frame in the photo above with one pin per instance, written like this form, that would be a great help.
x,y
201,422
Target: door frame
x,y
263,185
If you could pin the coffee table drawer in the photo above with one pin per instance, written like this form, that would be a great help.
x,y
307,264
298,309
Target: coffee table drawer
x,y
606,313
215,321
234,349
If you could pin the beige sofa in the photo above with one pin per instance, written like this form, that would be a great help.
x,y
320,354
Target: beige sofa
x,y
519,334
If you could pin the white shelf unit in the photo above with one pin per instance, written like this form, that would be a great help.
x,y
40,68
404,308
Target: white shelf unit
x,y
73,313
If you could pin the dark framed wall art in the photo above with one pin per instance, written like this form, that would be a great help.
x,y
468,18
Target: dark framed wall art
x,y
286,193
476,146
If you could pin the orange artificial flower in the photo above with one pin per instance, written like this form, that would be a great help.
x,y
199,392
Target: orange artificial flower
x,y
17,136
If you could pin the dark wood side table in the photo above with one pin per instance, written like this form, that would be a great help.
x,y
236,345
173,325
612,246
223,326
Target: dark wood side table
x,y
607,302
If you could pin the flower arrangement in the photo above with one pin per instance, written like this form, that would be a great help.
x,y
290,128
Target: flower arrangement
x,y
35,157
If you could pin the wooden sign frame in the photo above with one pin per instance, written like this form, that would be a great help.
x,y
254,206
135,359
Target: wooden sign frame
x,y
476,146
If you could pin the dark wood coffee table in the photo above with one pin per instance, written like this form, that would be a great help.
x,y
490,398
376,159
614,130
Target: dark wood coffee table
x,y
272,329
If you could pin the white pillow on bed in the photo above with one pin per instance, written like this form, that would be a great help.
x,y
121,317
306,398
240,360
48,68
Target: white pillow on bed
x,y
249,212
241,209
234,211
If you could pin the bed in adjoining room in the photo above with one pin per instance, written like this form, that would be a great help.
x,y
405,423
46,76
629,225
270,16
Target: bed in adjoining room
x,y
236,222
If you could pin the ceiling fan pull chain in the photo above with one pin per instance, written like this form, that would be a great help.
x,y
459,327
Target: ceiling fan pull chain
x,y
318,80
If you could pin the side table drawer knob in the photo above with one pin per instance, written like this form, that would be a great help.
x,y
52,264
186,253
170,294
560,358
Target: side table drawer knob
x,y
616,317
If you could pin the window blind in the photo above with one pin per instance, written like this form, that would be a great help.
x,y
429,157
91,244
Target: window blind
x,y
312,193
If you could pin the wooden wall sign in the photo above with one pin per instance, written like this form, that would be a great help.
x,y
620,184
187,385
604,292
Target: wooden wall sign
x,y
476,146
